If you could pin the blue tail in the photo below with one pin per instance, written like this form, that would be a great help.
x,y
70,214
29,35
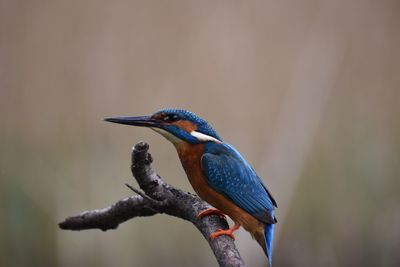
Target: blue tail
x,y
269,237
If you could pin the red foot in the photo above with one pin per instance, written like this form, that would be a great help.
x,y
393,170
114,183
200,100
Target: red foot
x,y
208,212
228,232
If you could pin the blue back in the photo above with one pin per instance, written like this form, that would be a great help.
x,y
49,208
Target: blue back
x,y
229,173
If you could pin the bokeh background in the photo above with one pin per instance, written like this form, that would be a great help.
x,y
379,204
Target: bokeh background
x,y
307,90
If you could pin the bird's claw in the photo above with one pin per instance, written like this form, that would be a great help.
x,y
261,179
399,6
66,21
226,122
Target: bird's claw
x,y
211,211
228,232
222,232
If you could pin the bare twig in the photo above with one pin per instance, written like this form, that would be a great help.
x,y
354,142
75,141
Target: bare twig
x,y
158,197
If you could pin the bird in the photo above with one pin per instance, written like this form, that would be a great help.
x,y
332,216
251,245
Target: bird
x,y
217,172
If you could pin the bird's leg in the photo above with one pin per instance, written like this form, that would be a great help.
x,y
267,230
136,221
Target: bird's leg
x,y
211,211
228,232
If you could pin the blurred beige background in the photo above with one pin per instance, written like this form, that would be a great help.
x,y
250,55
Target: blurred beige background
x,y
307,90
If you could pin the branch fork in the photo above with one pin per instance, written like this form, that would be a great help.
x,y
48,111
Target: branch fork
x,y
158,197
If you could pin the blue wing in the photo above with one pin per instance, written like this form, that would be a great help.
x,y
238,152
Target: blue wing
x,y
228,173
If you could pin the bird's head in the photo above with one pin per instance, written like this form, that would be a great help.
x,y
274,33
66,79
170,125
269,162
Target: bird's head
x,y
176,125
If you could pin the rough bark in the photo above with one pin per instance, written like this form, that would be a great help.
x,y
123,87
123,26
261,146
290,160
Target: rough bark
x,y
158,197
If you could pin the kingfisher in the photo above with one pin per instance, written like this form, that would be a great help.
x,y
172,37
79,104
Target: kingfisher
x,y
217,172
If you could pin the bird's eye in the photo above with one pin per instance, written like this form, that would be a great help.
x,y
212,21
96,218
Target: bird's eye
x,y
171,118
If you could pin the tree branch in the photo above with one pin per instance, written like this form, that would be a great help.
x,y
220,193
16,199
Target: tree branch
x,y
158,197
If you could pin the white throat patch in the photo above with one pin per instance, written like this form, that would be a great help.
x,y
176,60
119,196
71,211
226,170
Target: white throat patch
x,y
172,138
175,140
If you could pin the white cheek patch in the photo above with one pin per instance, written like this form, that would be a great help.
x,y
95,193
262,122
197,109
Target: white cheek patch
x,y
172,138
204,137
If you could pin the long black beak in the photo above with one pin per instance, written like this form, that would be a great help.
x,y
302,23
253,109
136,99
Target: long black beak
x,y
143,121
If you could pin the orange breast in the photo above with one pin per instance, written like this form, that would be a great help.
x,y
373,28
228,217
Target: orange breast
x,y
190,156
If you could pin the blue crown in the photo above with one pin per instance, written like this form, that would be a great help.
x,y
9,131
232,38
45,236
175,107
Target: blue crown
x,y
202,125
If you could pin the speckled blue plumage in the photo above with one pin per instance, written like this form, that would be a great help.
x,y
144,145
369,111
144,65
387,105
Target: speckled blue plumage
x,y
229,173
